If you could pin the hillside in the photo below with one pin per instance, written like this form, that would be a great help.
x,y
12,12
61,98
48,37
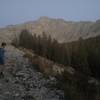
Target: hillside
x,y
20,81
63,31
51,70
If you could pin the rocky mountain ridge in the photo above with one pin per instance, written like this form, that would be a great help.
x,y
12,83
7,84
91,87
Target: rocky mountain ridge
x,y
63,31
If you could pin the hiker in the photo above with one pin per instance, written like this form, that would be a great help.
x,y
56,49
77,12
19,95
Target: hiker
x,y
2,52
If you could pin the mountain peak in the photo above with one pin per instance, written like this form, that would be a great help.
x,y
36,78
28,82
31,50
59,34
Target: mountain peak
x,y
43,18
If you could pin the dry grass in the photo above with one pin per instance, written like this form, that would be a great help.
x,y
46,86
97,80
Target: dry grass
x,y
44,65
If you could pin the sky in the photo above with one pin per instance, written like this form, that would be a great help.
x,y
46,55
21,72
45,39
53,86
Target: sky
x,y
19,11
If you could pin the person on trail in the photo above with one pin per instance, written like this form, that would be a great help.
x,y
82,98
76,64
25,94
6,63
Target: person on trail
x,y
2,61
2,53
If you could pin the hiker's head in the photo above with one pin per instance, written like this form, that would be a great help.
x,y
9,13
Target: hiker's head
x,y
3,44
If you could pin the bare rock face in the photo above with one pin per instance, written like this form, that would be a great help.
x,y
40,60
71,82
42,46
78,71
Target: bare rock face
x,y
21,81
63,31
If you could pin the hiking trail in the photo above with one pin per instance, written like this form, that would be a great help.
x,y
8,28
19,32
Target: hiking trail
x,y
20,81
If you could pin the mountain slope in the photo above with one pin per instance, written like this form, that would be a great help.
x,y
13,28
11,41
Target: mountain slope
x,y
63,31
20,81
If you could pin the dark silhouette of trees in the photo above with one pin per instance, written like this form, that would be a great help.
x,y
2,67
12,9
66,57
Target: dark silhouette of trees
x,y
26,39
83,55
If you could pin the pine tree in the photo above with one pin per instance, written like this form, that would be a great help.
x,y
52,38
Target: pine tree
x,y
26,39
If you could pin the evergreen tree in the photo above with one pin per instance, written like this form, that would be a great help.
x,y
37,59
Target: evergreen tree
x,y
26,39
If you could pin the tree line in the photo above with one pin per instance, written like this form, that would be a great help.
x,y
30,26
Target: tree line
x,y
84,55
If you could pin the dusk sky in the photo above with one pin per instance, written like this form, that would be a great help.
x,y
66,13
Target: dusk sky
x,y
19,11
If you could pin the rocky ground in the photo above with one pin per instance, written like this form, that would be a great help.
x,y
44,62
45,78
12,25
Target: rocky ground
x,y
20,81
